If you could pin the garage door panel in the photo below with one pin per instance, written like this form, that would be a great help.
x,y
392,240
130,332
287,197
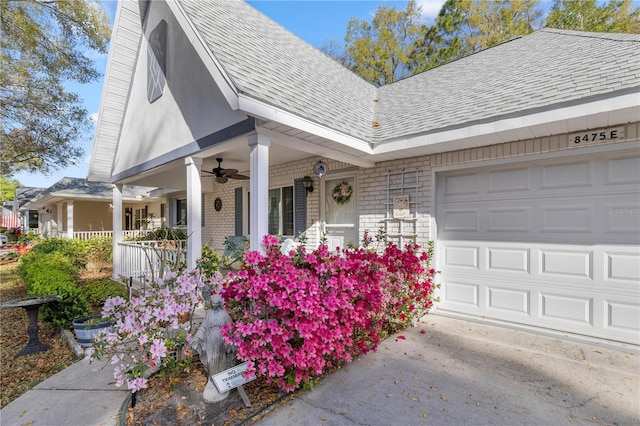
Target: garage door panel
x,y
466,257
622,317
573,175
502,259
623,171
509,300
509,219
515,180
552,244
622,266
566,263
566,308
460,293
567,218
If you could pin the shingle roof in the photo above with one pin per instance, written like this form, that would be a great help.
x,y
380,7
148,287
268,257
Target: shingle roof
x,y
544,68
70,187
269,63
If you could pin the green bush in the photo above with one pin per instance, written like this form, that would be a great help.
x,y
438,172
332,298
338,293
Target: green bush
x,y
97,292
97,251
54,274
210,261
70,248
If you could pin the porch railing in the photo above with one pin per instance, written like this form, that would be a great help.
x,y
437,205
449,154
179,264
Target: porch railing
x,y
148,260
85,235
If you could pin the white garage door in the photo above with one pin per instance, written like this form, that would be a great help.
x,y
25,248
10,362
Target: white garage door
x,y
552,244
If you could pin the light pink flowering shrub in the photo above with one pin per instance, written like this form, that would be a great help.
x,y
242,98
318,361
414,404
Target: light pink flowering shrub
x,y
149,326
297,314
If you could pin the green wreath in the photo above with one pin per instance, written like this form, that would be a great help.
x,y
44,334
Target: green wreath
x,y
342,192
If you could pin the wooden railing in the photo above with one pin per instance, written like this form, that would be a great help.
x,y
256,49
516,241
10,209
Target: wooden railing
x,y
148,260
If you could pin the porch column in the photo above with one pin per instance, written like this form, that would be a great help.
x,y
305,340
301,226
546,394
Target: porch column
x,y
194,207
70,219
259,188
116,226
59,219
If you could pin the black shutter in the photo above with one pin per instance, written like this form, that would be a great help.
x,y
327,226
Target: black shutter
x,y
238,211
299,208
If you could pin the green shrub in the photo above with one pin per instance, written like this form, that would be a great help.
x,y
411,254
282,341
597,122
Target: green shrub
x,y
97,292
72,304
54,274
65,246
97,251
210,261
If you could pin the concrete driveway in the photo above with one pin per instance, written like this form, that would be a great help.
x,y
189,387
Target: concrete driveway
x,y
449,371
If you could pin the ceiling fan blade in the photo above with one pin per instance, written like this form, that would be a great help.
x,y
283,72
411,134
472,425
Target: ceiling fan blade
x,y
211,173
229,172
239,177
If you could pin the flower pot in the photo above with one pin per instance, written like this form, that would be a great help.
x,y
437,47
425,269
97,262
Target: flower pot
x,y
87,328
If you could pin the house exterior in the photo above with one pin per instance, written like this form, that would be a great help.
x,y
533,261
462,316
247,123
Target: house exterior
x,y
28,219
75,208
521,162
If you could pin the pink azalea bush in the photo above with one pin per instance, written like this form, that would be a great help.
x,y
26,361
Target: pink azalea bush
x,y
147,328
297,314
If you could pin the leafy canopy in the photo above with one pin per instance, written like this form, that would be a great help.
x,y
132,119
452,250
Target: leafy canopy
x,y
396,44
44,45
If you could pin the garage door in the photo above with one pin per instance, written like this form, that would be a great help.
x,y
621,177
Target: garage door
x,y
553,244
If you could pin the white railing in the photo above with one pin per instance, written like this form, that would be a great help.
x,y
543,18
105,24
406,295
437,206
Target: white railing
x,y
148,260
86,235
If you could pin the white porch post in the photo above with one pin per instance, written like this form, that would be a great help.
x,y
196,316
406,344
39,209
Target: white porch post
x,y
194,206
59,219
116,223
70,219
259,187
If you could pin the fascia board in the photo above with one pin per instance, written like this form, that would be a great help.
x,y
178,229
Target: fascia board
x,y
315,149
259,109
630,103
222,79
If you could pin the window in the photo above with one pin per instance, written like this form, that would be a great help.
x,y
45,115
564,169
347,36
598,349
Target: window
x,y
181,212
281,211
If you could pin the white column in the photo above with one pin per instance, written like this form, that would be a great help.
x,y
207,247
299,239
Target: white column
x,y
59,218
194,206
116,226
70,219
259,188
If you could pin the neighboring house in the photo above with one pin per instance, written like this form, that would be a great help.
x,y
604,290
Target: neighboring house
x,y
23,195
76,208
522,161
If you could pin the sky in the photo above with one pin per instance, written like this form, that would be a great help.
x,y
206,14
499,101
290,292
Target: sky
x,y
316,21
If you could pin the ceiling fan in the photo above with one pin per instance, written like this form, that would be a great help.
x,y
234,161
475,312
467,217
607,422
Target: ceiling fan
x,y
223,175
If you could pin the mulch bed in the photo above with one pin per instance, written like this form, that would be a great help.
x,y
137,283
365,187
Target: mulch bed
x,y
177,401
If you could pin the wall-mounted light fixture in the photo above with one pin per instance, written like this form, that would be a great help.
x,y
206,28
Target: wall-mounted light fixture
x,y
48,210
307,183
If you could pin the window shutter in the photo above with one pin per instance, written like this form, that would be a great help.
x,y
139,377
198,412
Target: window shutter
x,y
238,211
300,208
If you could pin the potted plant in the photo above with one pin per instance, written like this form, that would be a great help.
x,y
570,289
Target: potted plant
x,y
87,328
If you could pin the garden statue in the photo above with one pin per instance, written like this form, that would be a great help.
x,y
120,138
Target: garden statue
x,y
214,354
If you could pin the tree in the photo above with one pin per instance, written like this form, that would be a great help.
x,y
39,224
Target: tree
x,y
617,16
467,26
7,188
380,51
43,47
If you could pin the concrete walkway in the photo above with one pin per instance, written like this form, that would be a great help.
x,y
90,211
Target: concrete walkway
x,y
455,373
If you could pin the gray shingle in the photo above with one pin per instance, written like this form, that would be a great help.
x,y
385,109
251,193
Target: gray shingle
x,y
536,71
267,62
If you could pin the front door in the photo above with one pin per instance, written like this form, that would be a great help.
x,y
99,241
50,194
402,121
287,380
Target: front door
x,y
339,211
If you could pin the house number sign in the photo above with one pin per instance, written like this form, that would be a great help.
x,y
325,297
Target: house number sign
x,y
597,135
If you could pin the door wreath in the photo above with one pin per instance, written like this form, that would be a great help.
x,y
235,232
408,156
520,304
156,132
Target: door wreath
x,y
342,192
